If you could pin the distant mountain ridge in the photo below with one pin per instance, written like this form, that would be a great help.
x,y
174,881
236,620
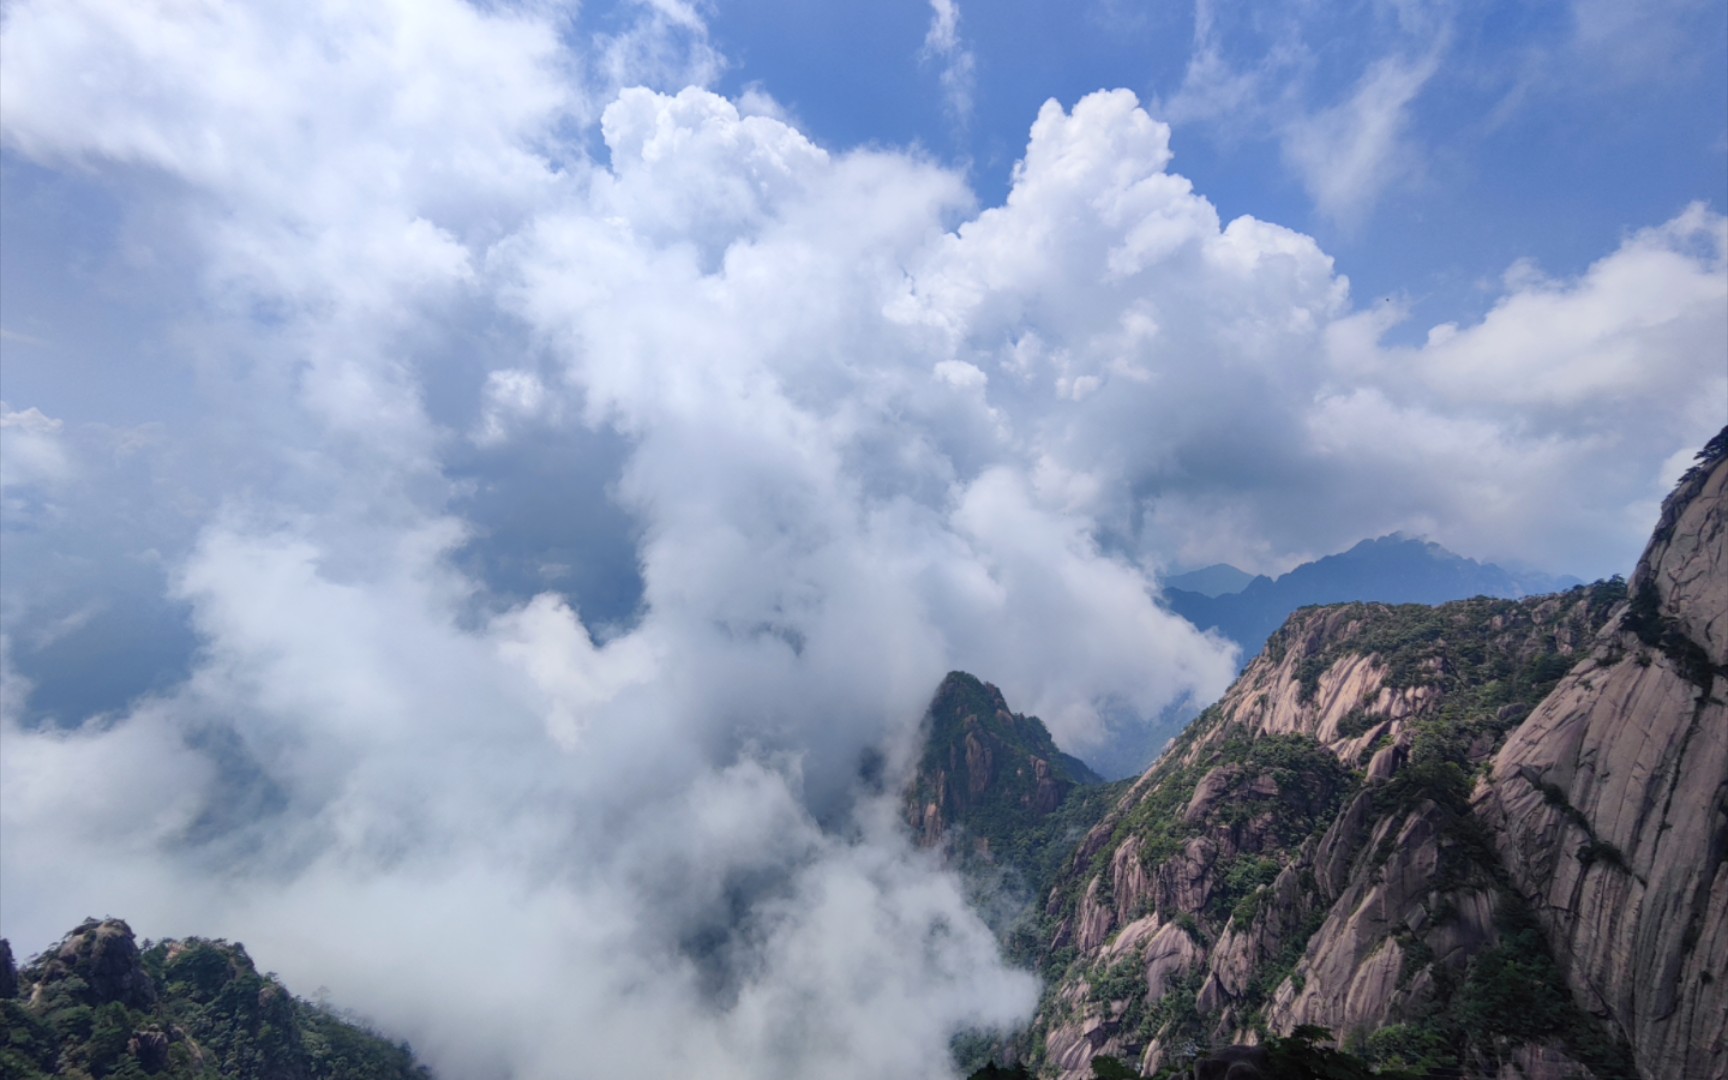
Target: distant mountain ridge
x,y
1215,580
1393,569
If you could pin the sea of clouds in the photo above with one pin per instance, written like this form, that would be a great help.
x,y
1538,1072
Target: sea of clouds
x,y
405,279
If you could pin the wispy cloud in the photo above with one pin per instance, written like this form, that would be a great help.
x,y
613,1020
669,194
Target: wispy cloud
x,y
1347,155
22,339
1262,78
943,43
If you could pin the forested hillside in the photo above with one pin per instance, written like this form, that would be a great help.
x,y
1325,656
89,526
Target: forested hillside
x,y
99,1005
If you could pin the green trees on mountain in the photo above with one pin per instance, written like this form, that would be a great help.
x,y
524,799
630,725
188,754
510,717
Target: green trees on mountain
x,y
99,1007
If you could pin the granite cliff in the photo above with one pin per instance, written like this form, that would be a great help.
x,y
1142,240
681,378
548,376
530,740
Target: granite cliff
x,y
1305,853
1486,838
1609,805
994,793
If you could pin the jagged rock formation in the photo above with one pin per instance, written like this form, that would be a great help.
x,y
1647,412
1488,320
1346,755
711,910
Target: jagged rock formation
x,y
1488,837
99,1005
993,788
980,756
1609,805
100,961
1304,853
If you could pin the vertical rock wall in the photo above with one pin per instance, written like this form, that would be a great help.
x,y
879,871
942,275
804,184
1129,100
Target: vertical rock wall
x,y
1609,805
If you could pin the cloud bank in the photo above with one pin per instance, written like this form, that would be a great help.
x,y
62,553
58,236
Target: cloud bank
x,y
850,430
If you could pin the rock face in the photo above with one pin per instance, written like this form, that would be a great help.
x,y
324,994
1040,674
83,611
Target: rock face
x,y
104,955
1485,839
994,792
1609,805
1305,853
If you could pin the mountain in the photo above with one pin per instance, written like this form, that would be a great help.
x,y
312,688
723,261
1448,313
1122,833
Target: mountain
x,y
1308,839
98,1005
995,792
1609,806
1392,569
1215,580
1488,838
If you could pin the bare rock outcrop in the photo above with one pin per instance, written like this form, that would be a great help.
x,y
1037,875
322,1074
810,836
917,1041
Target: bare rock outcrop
x,y
1369,964
1609,804
1304,852
104,955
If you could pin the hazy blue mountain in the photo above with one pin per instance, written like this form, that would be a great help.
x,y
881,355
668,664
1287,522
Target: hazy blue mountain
x,y
1392,569
1215,580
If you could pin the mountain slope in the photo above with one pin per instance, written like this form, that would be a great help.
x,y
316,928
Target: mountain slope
x,y
1305,852
1609,805
1486,839
99,1006
993,788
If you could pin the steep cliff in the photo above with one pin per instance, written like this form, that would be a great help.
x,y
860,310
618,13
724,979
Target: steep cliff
x,y
1306,853
1486,839
1609,805
993,788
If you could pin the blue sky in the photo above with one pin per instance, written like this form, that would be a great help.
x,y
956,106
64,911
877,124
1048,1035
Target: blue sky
x,y
1543,131
450,448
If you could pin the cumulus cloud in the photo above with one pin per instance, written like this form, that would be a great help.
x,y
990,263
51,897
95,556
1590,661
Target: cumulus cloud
x,y
862,432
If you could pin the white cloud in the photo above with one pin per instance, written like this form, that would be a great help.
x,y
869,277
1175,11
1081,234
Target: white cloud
x,y
385,739
944,33
1348,154
512,396
1273,74
1623,335
868,433
943,43
666,47
31,449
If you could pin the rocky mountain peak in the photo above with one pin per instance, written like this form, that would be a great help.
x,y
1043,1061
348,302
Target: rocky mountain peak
x,y
95,1005
985,767
102,954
